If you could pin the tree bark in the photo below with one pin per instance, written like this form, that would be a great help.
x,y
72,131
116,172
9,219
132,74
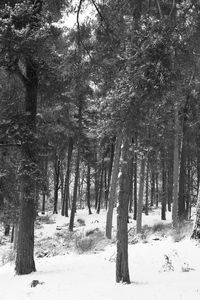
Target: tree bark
x,y
88,189
56,183
140,198
67,177
163,209
113,186
196,227
112,152
122,269
73,209
25,243
147,191
175,170
135,186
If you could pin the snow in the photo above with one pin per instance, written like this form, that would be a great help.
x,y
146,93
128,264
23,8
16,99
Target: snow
x,y
91,275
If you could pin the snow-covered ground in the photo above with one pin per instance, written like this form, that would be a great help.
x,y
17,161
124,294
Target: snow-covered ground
x,y
162,265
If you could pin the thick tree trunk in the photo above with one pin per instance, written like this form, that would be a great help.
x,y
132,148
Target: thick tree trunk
x,y
175,220
25,243
196,227
122,269
140,198
182,175
67,177
113,186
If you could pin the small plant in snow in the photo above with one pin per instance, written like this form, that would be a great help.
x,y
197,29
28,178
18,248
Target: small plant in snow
x,y
167,266
81,222
8,256
83,243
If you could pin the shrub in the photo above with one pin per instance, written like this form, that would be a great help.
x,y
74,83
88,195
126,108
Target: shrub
x,y
81,222
8,256
83,243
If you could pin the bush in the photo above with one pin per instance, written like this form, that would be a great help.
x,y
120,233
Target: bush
x,y
81,222
158,227
83,243
8,256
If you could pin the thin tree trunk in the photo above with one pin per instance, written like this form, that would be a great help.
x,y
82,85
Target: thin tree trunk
x,y
73,209
147,191
152,186
88,189
100,187
113,186
131,185
56,183
122,268
135,186
67,177
45,187
112,151
140,197
163,210
175,220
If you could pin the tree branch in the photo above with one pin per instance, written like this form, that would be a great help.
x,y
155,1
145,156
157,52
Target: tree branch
x,y
159,9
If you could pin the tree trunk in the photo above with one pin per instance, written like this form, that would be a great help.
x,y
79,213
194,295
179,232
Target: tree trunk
x,y
25,243
140,197
175,170
152,186
182,175
67,177
147,191
56,183
113,186
73,209
45,187
100,187
88,189
135,186
112,151
196,227
131,185
163,210
122,269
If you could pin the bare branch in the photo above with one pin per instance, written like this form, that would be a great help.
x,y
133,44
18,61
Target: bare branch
x,y
159,9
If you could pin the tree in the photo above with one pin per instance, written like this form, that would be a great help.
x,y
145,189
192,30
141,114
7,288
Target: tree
x,y
25,35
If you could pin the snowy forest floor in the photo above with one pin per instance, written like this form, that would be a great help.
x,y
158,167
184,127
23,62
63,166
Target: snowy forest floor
x,y
81,265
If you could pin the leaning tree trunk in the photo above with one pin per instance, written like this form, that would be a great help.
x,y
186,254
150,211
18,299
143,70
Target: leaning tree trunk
x,y
113,186
25,243
140,198
122,269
